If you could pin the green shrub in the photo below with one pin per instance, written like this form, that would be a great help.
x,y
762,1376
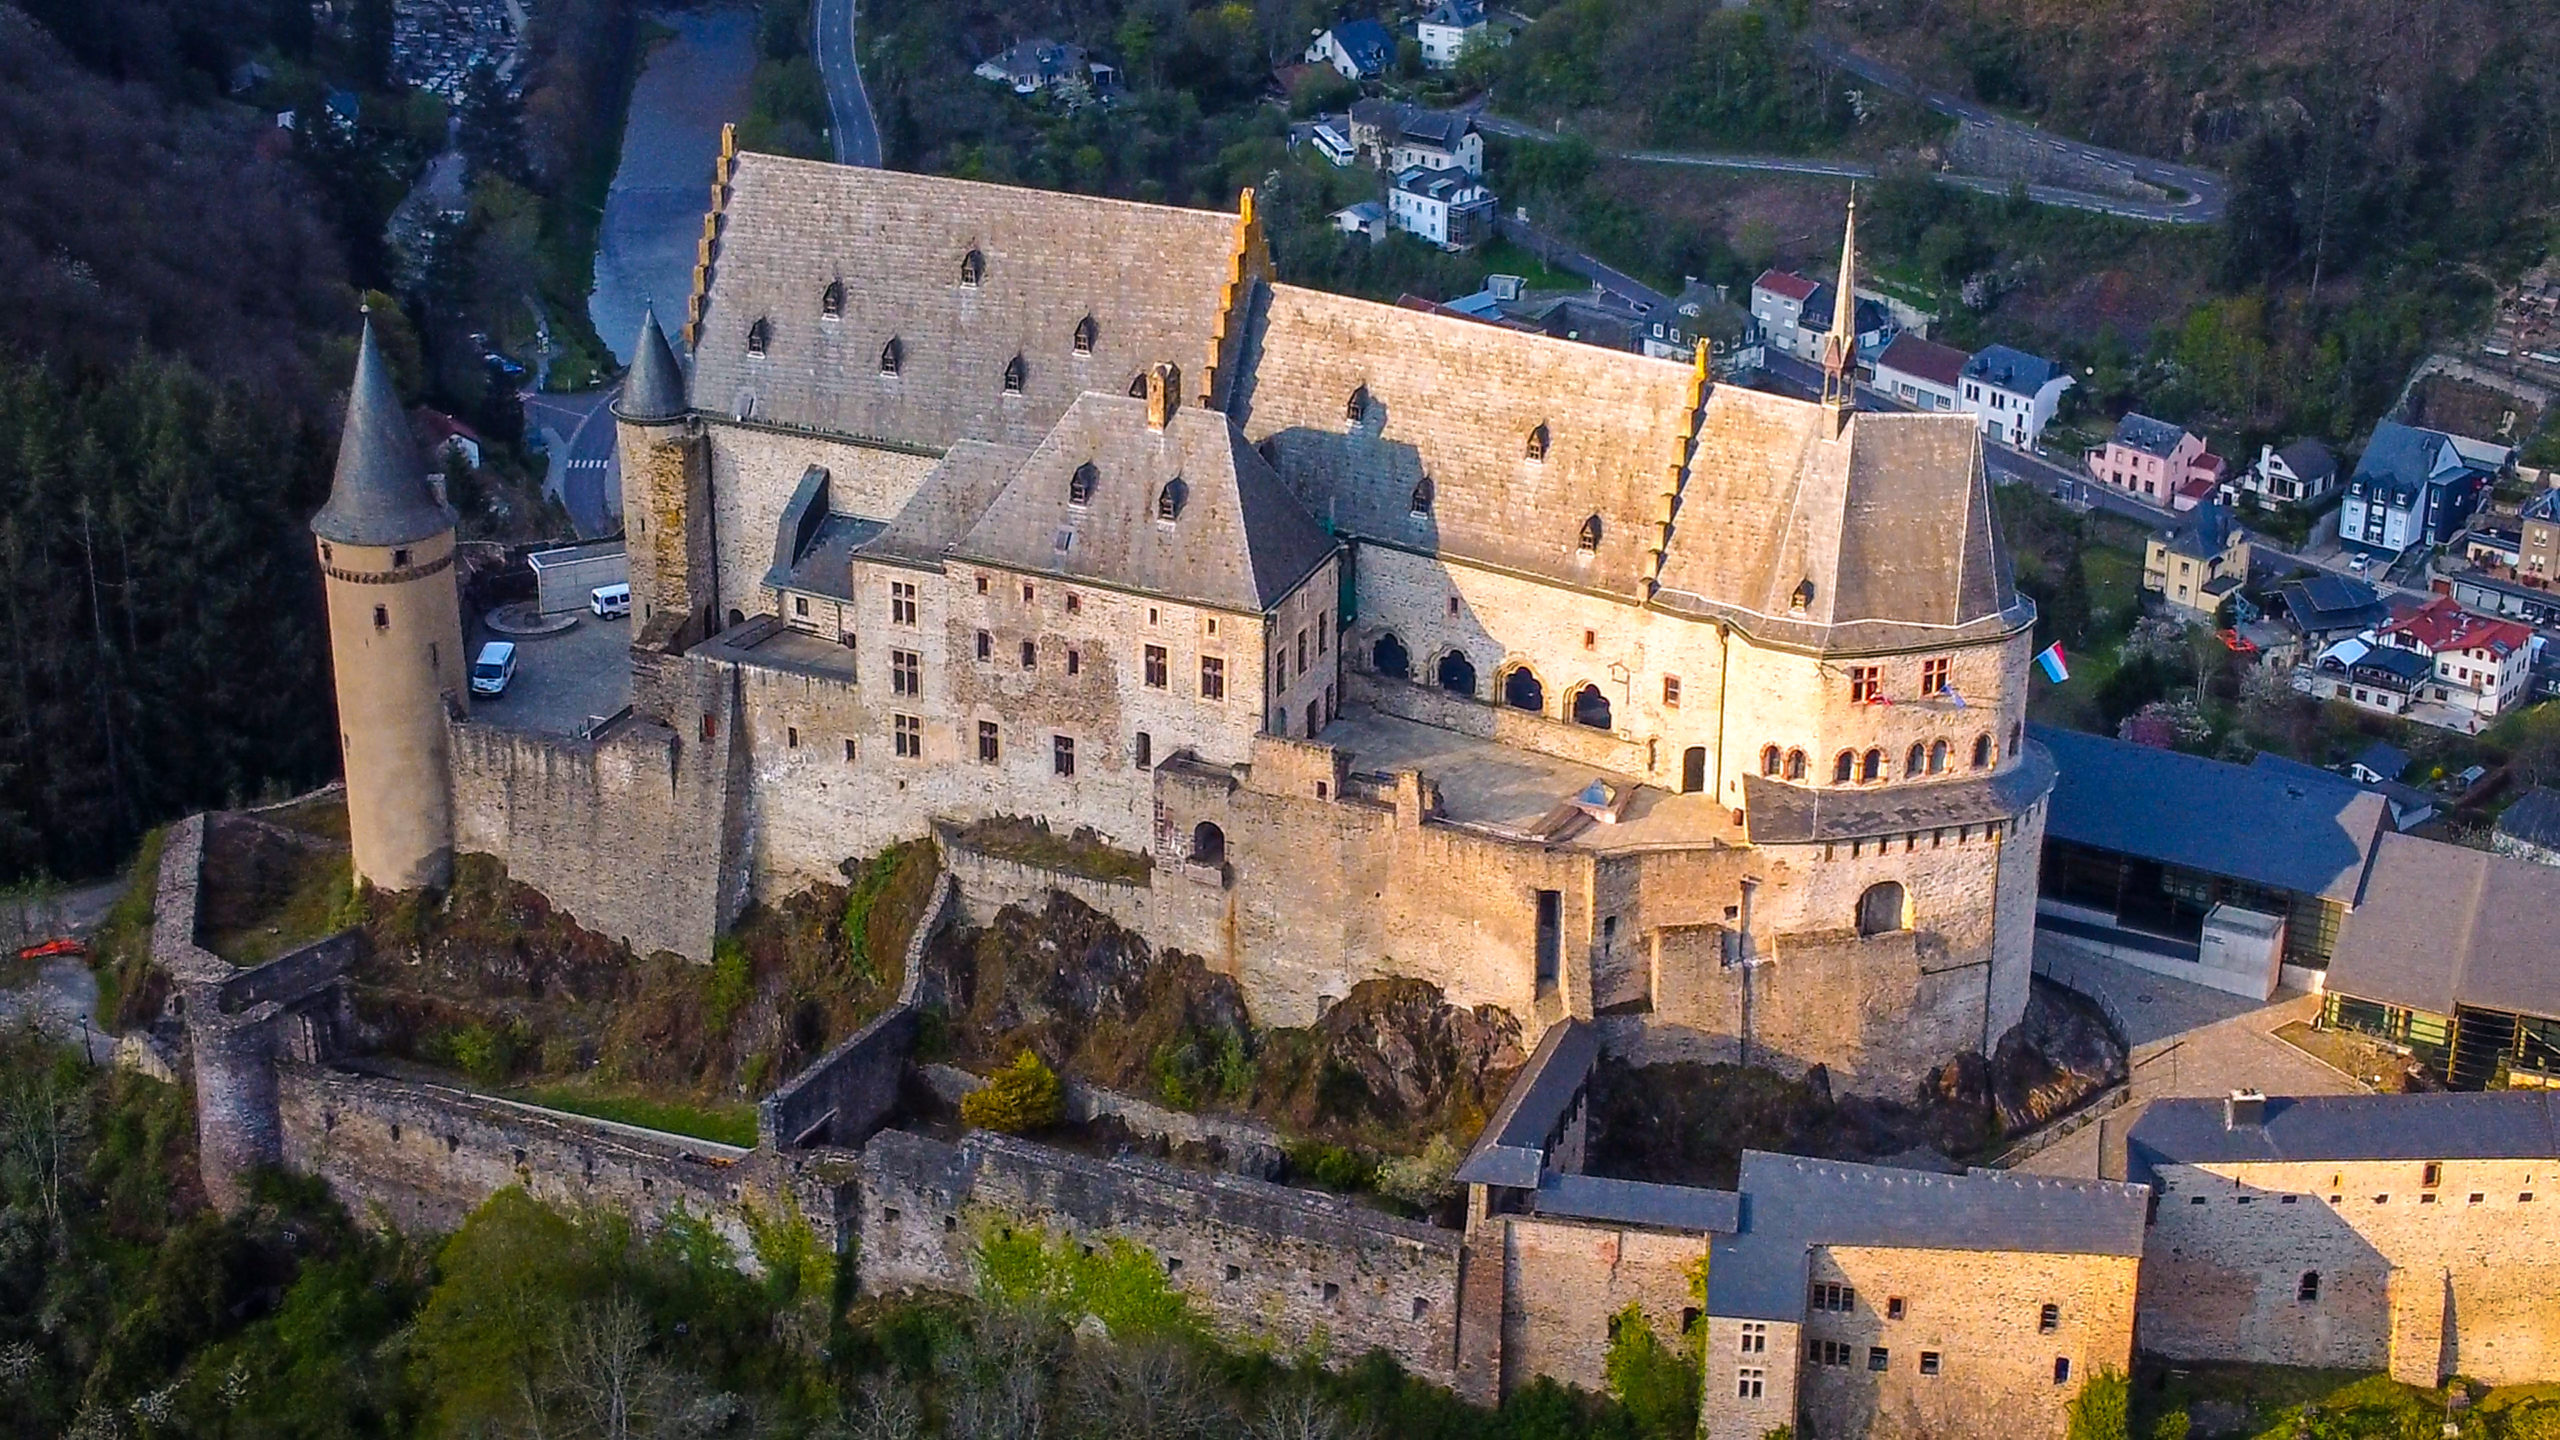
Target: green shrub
x,y
2172,1426
1022,1097
1657,1383
1423,1180
1335,1167
732,981
1115,1282
2101,1411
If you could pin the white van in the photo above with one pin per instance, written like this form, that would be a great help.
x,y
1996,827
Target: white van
x,y
610,602
494,670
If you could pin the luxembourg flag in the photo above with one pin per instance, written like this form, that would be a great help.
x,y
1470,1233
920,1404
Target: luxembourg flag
x,y
2050,661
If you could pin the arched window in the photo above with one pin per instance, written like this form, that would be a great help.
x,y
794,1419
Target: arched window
x,y
1423,494
737,616
892,356
1795,765
1872,768
759,335
1013,376
1937,757
1537,449
1169,499
1590,707
1080,485
831,304
1912,762
1457,673
1883,909
1208,844
1844,767
1522,690
1356,409
1084,336
2307,1289
1981,752
1769,760
1590,537
973,268
1693,769
1388,657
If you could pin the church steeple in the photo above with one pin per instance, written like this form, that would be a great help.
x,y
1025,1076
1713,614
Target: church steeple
x,y
1840,348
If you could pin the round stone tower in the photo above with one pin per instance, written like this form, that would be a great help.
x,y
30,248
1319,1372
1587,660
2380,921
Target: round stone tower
x,y
395,638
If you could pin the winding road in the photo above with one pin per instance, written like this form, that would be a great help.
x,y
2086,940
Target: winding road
x,y
856,129
2205,194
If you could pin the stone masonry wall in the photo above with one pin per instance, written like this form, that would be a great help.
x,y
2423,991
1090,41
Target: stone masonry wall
x,y
1562,1281
1268,1265
1981,1313
2424,1280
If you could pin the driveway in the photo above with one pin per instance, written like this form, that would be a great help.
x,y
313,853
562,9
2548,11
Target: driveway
x,y
586,468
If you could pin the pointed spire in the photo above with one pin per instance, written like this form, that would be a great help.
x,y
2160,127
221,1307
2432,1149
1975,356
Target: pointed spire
x,y
380,496
654,390
1840,348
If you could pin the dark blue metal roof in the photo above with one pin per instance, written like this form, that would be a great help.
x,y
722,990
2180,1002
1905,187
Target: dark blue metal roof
x,y
1791,1204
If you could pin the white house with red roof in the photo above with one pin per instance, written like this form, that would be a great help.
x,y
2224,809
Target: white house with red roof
x,y
2482,666
1922,374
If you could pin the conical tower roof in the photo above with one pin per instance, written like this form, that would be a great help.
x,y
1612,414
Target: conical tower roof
x,y
654,390
380,496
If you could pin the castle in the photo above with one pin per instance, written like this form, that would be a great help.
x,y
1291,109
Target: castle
x,y
1400,645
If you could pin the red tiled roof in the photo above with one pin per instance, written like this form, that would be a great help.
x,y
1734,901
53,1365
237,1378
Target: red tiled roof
x,y
1784,282
2441,625
1925,359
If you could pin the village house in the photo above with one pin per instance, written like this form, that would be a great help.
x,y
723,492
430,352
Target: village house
x,y
1356,49
1033,66
1795,316
1445,31
2012,394
1397,137
1446,208
2302,473
2197,565
1702,315
2478,666
2324,607
1367,219
1922,373
2158,461
2414,488
2361,1232
2538,543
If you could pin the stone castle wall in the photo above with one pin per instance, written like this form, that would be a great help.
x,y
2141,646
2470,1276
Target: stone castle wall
x,y
627,831
2422,1280
1270,1266
1563,1282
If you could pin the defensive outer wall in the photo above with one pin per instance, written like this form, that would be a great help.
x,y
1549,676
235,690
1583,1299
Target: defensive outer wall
x,y
1265,1264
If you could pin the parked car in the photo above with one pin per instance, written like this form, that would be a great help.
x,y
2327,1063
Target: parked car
x,y
610,602
495,670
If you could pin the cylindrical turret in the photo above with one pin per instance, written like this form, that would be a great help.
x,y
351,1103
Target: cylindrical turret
x,y
395,638
665,497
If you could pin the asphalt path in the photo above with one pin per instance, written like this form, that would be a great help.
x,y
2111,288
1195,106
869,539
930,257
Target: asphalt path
x,y
586,470
857,130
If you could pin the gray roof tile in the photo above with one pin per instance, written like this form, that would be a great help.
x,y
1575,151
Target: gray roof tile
x,y
2498,1125
1685,1208
2151,437
654,390
2534,818
380,496
1783,814
2440,925
1513,1148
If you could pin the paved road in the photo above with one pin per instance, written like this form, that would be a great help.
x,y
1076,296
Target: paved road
x,y
586,470
1639,296
857,130
2208,193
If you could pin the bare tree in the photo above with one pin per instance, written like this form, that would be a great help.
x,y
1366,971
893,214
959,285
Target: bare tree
x,y
1299,1413
41,1123
1145,1390
884,1409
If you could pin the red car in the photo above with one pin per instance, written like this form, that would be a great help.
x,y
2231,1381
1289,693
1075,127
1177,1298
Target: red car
x,y
60,945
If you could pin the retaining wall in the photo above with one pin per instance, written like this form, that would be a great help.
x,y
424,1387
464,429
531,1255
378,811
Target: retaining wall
x,y
842,1096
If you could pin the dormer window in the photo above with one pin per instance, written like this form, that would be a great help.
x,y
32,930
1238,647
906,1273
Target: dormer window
x,y
1169,499
1080,485
1537,449
1013,373
1589,540
831,304
1356,409
1422,496
1138,386
973,269
759,335
1802,597
1084,336
892,355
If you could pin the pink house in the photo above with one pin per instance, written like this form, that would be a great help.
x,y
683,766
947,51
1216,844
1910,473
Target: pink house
x,y
2157,461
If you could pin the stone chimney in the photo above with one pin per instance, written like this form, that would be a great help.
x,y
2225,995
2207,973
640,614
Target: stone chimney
x,y
1164,391
2244,1110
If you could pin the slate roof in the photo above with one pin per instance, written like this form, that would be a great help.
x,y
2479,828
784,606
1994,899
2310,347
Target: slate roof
x,y
1512,1151
2440,925
1778,813
380,495
1923,359
2387,761
1456,400
2325,602
1367,43
1819,306
2389,661
2399,460
2309,460
2012,370
2491,1125
2235,820
1685,1208
950,499
2151,437
1889,521
1150,276
2534,818
1239,541
654,388
1791,1204
2205,533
